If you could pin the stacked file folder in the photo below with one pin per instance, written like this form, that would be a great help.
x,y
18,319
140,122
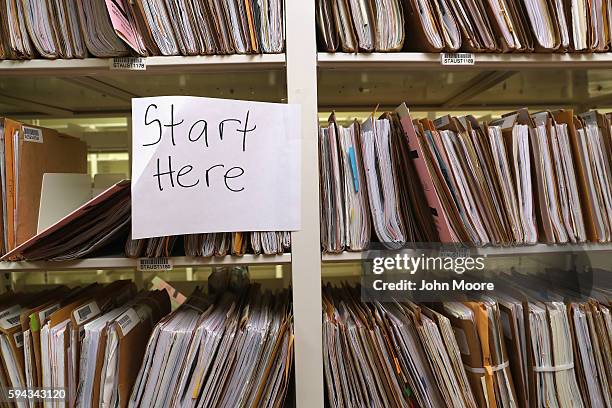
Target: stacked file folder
x,y
102,225
516,349
212,244
89,341
464,25
525,178
237,243
113,346
26,153
101,222
75,29
236,351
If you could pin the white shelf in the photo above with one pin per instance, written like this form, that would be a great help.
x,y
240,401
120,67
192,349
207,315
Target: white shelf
x,y
173,64
496,82
539,249
347,82
409,60
39,89
419,60
129,263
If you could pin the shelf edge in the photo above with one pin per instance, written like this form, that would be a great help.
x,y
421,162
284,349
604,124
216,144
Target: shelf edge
x,y
129,263
419,60
538,249
175,64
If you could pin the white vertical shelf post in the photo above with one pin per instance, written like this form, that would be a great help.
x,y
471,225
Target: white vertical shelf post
x,y
305,244
138,275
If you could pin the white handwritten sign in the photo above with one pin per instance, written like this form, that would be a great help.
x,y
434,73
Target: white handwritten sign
x,y
214,165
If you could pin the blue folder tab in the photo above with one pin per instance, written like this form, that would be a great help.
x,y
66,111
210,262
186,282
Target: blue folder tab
x,y
351,153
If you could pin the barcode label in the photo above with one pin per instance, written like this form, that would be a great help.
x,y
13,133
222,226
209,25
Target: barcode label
x,y
43,314
457,252
10,318
128,321
443,121
154,264
590,118
9,312
457,58
13,320
19,339
129,63
85,313
31,134
125,322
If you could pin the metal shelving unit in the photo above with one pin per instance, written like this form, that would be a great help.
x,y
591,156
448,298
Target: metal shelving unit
x,y
89,88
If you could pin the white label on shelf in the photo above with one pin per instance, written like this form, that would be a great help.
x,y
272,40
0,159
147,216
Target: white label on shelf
x,y
154,264
129,63
457,58
31,134
204,165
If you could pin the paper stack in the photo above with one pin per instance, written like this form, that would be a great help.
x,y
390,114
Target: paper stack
x,y
522,179
235,350
464,25
105,28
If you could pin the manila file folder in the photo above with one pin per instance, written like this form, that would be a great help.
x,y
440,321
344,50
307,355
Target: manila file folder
x,y
41,151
